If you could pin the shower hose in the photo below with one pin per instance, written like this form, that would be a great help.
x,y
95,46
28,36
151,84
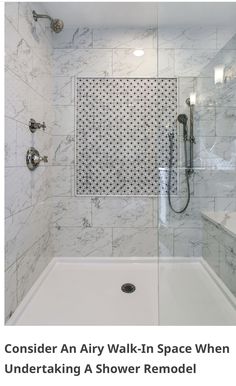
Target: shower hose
x,y
171,138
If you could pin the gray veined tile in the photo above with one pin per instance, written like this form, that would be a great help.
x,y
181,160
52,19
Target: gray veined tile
x,y
166,63
18,189
126,64
63,93
134,242
11,12
188,37
188,242
19,55
72,212
10,142
62,150
123,37
215,152
193,62
31,265
166,243
23,230
64,120
225,121
122,212
218,183
10,291
78,37
82,242
82,62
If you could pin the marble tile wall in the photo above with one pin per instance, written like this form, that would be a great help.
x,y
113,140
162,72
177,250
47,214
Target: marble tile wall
x,y
190,54
98,226
220,252
28,70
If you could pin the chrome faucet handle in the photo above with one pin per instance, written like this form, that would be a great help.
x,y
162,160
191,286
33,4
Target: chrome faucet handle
x,y
33,158
44,158
33,125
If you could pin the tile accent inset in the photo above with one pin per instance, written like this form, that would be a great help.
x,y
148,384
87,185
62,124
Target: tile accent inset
x,y
122,141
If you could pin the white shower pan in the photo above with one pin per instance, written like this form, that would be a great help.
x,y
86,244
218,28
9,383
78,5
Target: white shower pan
x,y
85,291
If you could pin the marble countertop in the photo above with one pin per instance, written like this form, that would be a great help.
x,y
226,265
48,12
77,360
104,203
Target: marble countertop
x,y
224,220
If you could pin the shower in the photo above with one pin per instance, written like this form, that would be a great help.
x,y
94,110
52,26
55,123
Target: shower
x,y
56,24
183,119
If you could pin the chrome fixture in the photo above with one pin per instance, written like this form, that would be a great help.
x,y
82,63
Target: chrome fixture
x,y
33,158
183,119
56,24
33,125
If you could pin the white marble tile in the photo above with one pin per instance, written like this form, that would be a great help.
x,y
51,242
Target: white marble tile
x,y
10,142
211,249
137,242
82,62
123,38
211,152
18,189
64,120
188,242
10,291
77,37
42,81
61,180
33,32
126,64
122,212
11,12
62,150
79,242
228,263
226,37
191,37
63,91
218,183
24,229
226,204
225,121
31,264
192,62
205,91
72,212
185,87
19,55
166,63
24,141
41,184
204,121
16,98
166,241
191,217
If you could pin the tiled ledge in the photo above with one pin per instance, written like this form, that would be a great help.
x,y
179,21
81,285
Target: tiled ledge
x,y
223,220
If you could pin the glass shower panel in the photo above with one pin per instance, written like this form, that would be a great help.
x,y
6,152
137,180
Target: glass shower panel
x,y
197,248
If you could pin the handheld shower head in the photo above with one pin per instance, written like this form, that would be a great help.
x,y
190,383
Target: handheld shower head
x,y
182,118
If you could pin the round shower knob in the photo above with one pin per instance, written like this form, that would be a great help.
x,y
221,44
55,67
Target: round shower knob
x,y
33,158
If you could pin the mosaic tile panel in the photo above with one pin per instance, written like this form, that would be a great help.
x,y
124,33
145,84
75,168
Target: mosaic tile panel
x,y
122,143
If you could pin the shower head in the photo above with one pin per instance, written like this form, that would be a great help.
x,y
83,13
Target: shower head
x,y
56,24
182,118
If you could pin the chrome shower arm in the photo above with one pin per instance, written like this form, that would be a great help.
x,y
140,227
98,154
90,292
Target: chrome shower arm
x,y
37,16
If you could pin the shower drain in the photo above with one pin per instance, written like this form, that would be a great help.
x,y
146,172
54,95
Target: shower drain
x,y
128,288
